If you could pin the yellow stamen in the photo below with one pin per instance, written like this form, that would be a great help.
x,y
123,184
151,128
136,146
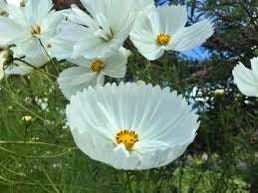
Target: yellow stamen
x,y
128,138
36,30
163,39
97,65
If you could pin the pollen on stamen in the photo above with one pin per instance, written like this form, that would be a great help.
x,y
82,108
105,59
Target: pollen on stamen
x,y
163,39
36,30
128,138
97,65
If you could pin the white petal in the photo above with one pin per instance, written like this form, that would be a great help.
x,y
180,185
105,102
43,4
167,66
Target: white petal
x,y
100,79
190,37
80,17
76,79
171,18
115,65
94,7
11,31
62,44
37,10
254,64
245,80
95,47
14,2
81,61
142,5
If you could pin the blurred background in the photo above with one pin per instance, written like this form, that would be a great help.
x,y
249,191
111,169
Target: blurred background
x,y
223,158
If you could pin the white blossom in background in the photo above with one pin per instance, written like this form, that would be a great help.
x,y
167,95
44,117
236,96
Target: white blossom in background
x,y
163,28
131,126
247,79
91,72
25,26
100,32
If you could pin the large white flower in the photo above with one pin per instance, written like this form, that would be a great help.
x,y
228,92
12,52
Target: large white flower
x,y
104,30
246,79
91,72
163,28
131,126
25,26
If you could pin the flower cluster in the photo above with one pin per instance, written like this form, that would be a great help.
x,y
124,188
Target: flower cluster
x,y
129,125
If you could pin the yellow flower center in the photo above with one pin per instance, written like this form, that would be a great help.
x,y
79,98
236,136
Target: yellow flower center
x,y
97,65
36,30
128,138
163,39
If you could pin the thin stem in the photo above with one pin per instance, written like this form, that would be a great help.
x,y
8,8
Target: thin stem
x,y
35,143
50,180
46,52
26,132
37,157
128,177
35,68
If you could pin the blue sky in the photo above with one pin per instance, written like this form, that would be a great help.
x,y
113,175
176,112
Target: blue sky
x,y
198,53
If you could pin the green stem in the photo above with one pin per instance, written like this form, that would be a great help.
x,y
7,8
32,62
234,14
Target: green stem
x,y
50,180
46,52
35,68
128,181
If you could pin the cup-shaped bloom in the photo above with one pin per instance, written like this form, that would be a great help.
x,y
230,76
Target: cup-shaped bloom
x,y
163,28
247,79
131,126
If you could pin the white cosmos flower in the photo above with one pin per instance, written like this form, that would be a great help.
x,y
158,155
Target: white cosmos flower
x,y
163,28
91,72
103,30
25,26
246,79
131,126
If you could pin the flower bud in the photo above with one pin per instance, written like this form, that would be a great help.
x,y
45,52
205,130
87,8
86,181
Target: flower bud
x,y
27,119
